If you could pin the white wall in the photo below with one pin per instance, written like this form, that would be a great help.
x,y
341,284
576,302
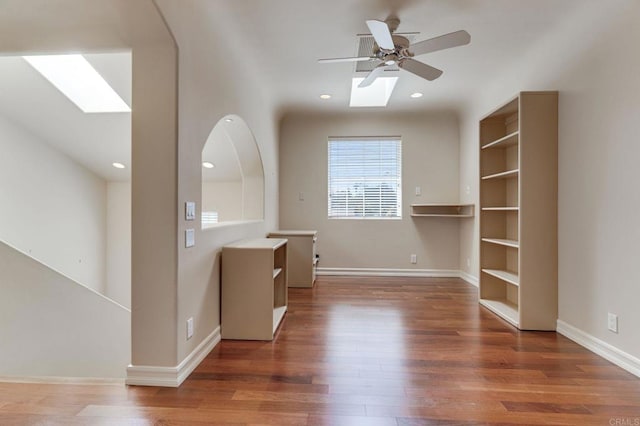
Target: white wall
x,y
591,62
118,284
430,160
52,327
224,198
51,207
209,90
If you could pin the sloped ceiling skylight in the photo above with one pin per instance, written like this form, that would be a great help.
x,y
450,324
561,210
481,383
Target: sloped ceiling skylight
x,y
74,76
375,95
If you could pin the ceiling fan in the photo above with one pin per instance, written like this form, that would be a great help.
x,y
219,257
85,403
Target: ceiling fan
x,y
392,49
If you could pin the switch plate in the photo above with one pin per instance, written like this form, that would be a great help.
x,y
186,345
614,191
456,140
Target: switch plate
x,y
189,328
189,238
300,196
612,322
418,191
189,210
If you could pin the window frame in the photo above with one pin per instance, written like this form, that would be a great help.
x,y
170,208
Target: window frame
x,y
398,179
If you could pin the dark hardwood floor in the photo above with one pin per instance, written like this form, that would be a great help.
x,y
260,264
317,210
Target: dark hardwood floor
x,y
365,351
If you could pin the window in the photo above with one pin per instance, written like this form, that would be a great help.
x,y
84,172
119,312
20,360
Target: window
x,y
365,178
209,218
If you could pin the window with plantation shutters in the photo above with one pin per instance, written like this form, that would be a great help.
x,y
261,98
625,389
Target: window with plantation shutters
x,y
365,177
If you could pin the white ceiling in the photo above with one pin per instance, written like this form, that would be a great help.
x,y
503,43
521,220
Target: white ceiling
x,y
93,140
282,40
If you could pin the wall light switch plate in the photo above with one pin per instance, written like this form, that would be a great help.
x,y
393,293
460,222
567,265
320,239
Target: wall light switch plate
x,y
190,238
189,210
418,191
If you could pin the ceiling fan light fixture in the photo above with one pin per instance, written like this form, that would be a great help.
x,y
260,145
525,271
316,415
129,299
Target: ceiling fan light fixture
x,y
416,95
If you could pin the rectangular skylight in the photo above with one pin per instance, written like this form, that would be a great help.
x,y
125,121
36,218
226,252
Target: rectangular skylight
x,y
376,95
74,76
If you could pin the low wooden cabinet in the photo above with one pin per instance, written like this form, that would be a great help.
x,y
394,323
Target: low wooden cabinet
x,y
254,288
302,256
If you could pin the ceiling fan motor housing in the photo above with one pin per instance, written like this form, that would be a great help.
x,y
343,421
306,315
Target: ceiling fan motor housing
x,y
401,50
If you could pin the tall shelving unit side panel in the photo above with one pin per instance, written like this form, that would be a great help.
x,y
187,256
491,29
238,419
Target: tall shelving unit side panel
x,y
499,214
243,308
538,210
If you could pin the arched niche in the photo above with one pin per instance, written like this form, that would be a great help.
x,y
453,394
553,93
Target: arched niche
x,y
233,189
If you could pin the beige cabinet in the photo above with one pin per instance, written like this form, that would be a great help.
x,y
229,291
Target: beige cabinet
x,y
302,256
518,211
254,288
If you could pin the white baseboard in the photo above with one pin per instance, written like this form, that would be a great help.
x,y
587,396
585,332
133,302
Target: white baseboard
x,y
604,349
55,380
145,375
469,278
388,272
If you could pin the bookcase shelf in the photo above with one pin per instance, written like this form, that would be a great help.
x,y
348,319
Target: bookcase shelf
x,y
518,211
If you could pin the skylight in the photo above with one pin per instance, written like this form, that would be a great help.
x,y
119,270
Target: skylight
x,y
74,76
376,95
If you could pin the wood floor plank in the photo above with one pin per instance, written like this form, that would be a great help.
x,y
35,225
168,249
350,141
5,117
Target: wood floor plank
x,y
360,351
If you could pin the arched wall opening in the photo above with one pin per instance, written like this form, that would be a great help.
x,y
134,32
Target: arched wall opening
x,y
232,175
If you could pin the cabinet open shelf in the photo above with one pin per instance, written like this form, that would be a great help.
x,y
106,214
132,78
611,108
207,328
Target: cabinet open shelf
x,y
501,209
503,308
504,142
506,276
502,175
276,272
442,210
278,313
502,242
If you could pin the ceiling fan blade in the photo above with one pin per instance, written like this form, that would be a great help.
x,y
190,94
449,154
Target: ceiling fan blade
x,y
421,70
353,59
382,35
458,38
371,77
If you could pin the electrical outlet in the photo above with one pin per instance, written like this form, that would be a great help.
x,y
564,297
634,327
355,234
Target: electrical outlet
x,y
612,322
468,262
414,258
189,328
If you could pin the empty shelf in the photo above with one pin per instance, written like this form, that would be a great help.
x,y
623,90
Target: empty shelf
x,y
504,142
502,242
507,276
503,308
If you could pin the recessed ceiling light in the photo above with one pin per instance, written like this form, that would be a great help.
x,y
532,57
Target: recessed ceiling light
x,y
74,76
118,165
228,120
416,95
325,96
208,165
